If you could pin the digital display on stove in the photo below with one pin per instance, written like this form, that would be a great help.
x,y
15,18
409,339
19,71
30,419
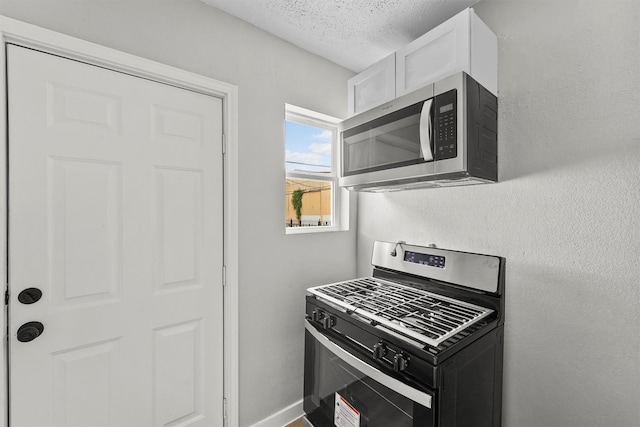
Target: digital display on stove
x,y
424,259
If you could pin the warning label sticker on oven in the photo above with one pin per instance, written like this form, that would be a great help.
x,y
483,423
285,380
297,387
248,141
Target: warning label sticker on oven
x,y
345,415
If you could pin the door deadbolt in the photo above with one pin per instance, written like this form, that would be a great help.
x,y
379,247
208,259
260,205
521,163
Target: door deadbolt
x,y
30,295
30,331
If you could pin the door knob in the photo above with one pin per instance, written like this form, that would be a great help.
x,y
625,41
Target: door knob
x,y
30,295
30,331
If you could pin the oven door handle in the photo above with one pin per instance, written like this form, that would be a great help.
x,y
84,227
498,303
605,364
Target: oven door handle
x,y
398,386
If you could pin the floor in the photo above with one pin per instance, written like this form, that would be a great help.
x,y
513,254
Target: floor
x,y
296,423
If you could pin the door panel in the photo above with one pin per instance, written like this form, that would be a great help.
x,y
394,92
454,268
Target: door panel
x,y
179,196
84,375
115,213
178,373
86,246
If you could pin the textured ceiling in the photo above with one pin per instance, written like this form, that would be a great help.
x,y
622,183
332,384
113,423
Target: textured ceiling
x,y
352,33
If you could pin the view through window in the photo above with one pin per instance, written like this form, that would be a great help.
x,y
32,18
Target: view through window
x,y
311,180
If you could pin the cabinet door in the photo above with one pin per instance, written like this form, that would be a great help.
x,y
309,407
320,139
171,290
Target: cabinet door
x,y
372,87
437,54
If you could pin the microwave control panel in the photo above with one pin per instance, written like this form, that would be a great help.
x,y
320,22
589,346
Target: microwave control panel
x,y
445,125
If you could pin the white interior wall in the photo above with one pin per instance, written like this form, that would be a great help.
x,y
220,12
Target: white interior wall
x,y
274,269
565,214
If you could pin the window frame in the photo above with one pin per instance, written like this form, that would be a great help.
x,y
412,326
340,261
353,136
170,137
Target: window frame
x,y
339,206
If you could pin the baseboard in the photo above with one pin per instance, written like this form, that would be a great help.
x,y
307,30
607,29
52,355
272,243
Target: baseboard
x,y
282,417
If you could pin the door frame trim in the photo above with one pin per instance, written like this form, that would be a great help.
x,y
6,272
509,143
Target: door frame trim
x,y
31,36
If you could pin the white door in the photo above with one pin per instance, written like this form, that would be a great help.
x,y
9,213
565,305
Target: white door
x,y
115,214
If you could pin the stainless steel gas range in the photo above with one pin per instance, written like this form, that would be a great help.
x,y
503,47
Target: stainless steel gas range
x,y
419,343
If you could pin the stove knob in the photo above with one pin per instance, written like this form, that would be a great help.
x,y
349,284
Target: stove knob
x,y
328,321
315,315
379,350
400,362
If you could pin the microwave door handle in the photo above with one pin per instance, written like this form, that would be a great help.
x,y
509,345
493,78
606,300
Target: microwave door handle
x,y
426,130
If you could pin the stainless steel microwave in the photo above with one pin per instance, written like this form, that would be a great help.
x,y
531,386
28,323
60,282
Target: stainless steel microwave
x,y
444,134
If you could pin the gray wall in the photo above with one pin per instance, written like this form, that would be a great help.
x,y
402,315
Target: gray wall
x,y
565,214
274,268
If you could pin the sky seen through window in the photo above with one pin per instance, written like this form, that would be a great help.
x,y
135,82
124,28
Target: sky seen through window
x,y
308,148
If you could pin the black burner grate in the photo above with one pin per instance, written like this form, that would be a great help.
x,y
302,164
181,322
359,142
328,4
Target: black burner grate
x,y
421,315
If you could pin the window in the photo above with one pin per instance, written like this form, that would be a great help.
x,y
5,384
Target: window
x,y
312,194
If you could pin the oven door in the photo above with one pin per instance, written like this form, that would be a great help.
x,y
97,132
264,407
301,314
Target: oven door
x,y
342,389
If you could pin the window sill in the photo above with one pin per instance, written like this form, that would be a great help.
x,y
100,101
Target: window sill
x,y
310,230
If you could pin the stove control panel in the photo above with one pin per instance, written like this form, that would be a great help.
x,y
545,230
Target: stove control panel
x,y
475,271
424,259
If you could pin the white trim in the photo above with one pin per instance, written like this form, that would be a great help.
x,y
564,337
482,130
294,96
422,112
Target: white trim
x,y
310,115
3,229
282,417
310,229
20,33
231,297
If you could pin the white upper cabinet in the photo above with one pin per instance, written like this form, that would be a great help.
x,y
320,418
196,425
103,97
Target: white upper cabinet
x,y
372,87
462,43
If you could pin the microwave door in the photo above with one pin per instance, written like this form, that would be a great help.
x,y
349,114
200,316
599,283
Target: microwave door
x,y
383,145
